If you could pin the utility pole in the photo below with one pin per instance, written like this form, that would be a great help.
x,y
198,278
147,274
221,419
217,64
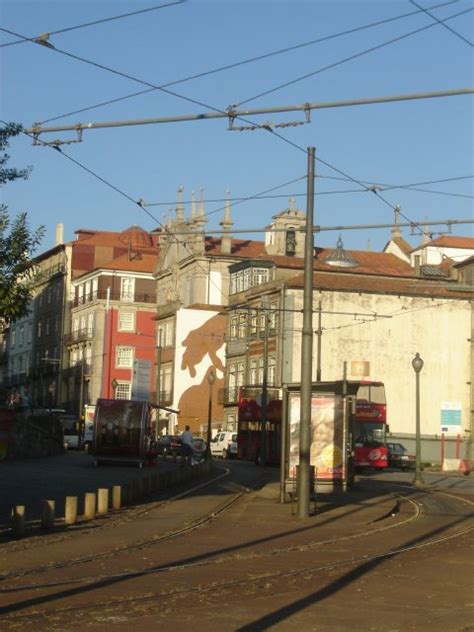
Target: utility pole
x,y
303,486
263,448
158,366
320,333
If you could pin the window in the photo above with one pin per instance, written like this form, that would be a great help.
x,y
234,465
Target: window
x,y
13,338
233,327
90,322
250,276
271,375
127,289
260,371
88,291
260,275
40,329
165,382
46,326
166,334
83,323
242,325
80,295
126,321
49,294
124,357
56,324
272,316
29,334
253,372
122,390
95,283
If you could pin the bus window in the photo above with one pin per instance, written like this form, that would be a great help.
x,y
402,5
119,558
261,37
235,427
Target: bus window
x,y
377,394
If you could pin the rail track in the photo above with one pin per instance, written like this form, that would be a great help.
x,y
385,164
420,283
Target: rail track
x,y
214,563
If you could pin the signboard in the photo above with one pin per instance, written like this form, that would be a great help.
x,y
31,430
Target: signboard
x,y
327,435
141,379
451,418
360,368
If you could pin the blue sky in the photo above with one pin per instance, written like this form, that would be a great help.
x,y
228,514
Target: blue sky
x,y
398,143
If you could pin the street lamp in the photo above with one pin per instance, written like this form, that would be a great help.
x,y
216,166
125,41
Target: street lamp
x,y
211,378
417,364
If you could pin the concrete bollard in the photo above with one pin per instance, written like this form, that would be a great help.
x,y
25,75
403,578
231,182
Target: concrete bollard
x,y
116,497
89,506
47,514
70,510
18,521
102,500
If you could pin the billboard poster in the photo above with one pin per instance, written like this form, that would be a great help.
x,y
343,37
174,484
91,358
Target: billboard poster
x,y
327,435
141,380
451,418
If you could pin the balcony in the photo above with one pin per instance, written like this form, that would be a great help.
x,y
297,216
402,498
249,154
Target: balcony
x,y
228,396
101,295
79,335
76,370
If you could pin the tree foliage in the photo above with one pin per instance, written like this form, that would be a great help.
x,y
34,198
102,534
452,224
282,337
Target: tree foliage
x,y
17,242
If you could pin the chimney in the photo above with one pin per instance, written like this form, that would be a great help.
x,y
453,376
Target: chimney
x,y
417,259
59,234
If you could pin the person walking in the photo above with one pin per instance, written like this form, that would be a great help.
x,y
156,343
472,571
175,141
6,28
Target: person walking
x,y
186,446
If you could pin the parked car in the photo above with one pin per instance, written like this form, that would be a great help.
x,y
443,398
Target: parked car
x,y
224,444
398,456
169,445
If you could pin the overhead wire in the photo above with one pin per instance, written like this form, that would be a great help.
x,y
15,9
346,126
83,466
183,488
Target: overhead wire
x,y
350,58
95,22
244,61
446,26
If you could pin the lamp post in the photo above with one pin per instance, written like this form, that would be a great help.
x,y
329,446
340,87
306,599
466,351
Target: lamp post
x,y
417,364
211,378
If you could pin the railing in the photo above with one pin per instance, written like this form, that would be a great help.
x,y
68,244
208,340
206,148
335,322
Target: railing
x,y
101,295
43,274
78,335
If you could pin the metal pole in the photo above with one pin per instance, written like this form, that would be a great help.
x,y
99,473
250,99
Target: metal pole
x,y
210,378
81,394
320,332
417,364
263,448
283,444
303,488
158,367
229,113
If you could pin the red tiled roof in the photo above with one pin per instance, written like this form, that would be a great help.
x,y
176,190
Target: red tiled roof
x,y
245,248
450,241
143,263
113,238
380,285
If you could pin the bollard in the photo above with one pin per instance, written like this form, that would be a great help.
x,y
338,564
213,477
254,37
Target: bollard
x,y
102,500
89,506
47,514
70,510
116,497
18,521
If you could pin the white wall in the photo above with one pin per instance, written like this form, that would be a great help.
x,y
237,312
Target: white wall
x,y
438,329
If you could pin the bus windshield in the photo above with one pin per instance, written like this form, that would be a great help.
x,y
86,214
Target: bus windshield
x,y
370,434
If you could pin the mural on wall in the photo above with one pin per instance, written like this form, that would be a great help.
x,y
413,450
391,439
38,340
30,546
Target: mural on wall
x,y
200,341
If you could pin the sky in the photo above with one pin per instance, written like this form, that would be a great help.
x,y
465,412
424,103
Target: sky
x,y
398,143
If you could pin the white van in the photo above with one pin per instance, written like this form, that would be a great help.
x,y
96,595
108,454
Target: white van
x,y
224,444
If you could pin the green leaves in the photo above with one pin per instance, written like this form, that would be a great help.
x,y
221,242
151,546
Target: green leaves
x,y
17,243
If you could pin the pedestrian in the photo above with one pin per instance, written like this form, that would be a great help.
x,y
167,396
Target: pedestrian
x,y
186,438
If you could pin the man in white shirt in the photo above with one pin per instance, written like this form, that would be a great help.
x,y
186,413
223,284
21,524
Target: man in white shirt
x,y
186,438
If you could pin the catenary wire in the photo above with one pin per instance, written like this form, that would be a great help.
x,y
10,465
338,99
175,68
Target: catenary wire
x,y
102,21
446,26
317,193
350,58
243,62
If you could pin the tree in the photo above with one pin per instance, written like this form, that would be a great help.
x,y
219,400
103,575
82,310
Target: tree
x,y
17,242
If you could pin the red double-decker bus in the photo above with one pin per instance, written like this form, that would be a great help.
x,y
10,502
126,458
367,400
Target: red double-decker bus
x,y
369,426
249,425
366,435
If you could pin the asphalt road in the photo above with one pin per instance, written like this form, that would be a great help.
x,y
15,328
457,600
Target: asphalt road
x,y
29,481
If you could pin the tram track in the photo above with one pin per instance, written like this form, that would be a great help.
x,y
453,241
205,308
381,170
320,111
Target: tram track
x,y
216,560
222,586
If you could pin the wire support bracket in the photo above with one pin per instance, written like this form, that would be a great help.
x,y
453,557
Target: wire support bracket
x,y
266,125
